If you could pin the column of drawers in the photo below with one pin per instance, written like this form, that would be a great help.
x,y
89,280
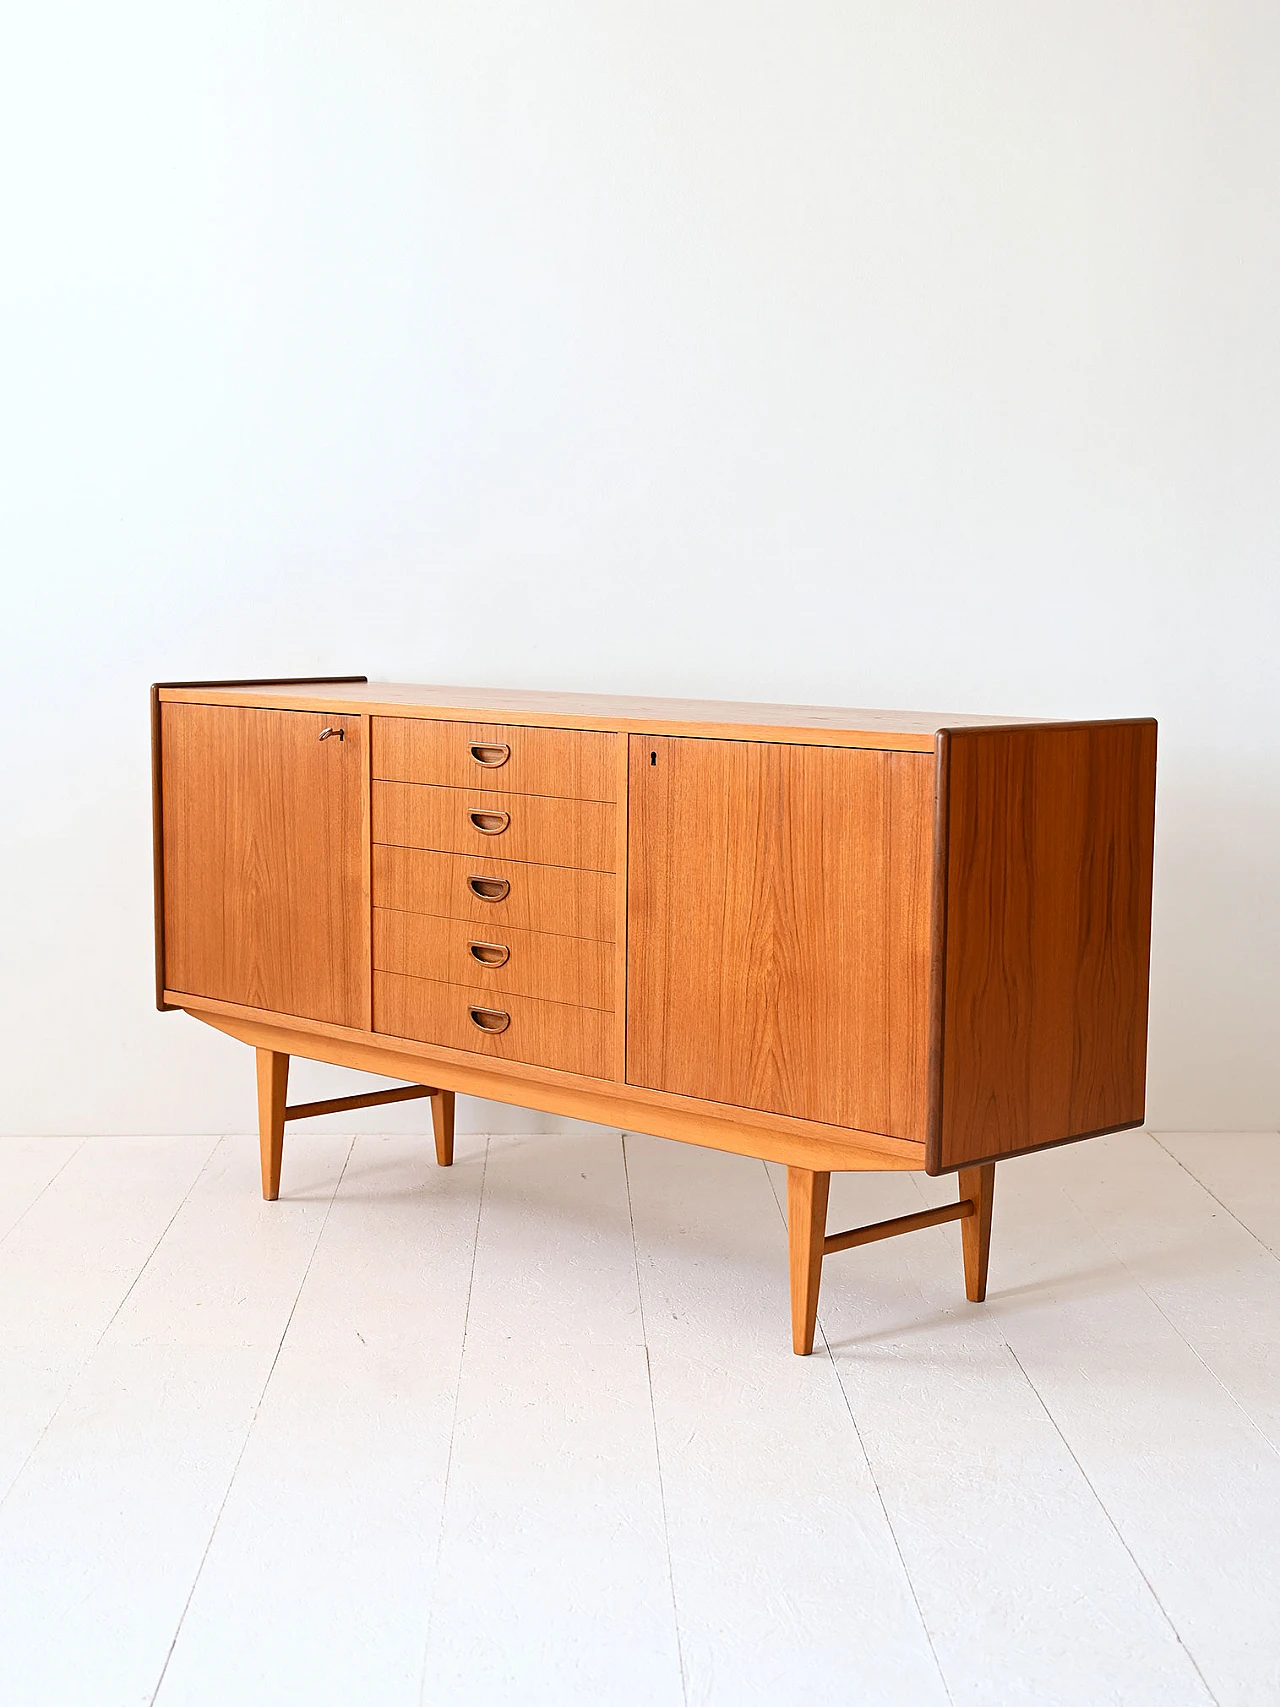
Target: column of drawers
x,y
494,889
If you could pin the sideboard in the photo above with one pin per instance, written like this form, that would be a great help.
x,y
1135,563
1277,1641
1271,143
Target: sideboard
x,y
833,939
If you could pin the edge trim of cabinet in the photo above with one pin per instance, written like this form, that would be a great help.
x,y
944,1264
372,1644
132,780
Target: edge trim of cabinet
x,y
157,794
772,1137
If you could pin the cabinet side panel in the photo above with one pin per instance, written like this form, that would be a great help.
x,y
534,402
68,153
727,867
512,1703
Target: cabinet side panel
x,y
263,865
778,936
1047,937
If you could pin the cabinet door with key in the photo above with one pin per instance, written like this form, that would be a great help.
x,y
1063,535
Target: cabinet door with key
x,y
263,859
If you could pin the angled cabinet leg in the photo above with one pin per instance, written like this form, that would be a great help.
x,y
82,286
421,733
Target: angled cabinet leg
x,y
273,1084
807,1194
975,1230
442,1122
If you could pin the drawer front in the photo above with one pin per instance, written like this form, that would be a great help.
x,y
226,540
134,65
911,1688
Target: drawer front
x,y
578,833
501,961
574,764
497,894
540,1034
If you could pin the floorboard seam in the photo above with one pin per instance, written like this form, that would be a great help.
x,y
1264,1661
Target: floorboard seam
x,y
653,1417
94,1348
1209,1192
55,1175
248,1433
453,1424
1114,1526
875,1480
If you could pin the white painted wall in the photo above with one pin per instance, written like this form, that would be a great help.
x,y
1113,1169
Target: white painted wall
x,y
906,354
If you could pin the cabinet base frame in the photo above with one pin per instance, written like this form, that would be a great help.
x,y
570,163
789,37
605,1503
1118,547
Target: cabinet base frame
x,y
809,1241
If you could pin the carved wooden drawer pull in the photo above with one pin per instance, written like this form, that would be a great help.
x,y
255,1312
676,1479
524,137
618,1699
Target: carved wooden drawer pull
x,y
489,953
490,754
490,1019
490,823
489,888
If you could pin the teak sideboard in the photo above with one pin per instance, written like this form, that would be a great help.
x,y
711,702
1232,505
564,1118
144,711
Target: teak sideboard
x,y
838,940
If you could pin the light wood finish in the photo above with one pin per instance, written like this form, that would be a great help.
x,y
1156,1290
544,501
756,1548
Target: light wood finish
x,y
890,1229
817,725
831,940
515,962
574,764
551,898
442,1124
717,1127
978,1186
263,860
273,1087
526,827
546,1034
779,929
1047,871
807,1194
345,1105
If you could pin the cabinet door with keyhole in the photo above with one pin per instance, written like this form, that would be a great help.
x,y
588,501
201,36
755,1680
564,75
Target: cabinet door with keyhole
x,y
263,860
779,919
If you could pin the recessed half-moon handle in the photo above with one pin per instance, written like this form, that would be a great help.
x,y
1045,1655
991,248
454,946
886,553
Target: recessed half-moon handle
x,y
490,823
489,953
490,1019
489,888
490,754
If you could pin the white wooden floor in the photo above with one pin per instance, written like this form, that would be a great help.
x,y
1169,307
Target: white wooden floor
x,y
529,1430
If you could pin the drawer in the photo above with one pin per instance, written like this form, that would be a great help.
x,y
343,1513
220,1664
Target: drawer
x,y
497,894
541,1034
501,961
579,833
575,764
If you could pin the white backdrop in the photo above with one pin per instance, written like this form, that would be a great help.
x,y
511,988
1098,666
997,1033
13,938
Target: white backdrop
x,y
901,353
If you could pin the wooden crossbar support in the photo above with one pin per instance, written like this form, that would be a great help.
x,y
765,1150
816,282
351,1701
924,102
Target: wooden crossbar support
x,y
340,1105
899,1224
273,1112
809,1240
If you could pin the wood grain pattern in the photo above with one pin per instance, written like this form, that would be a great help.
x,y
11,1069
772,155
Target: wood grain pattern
x,y
833,726
263,860
1047,903
779,935
273,1087
545,1034
552,968
539,897
807,1194
977,1186
771,1137
578,833
573,764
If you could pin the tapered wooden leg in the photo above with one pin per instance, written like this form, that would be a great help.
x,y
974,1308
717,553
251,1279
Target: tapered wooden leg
x,y
273,1083
975,1230
442,1122
806,1229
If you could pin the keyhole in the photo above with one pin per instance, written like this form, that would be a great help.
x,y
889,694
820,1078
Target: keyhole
x,y
653,758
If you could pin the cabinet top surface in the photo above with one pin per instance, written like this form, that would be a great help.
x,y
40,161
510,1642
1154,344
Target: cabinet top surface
x,y
910,731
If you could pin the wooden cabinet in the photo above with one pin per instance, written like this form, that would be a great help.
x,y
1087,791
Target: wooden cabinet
x,y
263,849
839,940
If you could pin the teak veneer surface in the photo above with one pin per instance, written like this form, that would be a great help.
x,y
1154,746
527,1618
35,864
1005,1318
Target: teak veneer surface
x,y
542,831
539,1033
263,866
1047,926
554,898
780,928
552,968
908,731
576,764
